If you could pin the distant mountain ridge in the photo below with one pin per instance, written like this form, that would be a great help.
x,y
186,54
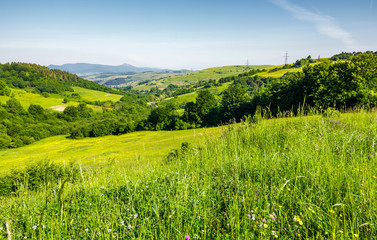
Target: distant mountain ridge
x,y
86,68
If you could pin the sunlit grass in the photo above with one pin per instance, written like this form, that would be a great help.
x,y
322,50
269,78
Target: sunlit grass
x,y
292,178
126,149
26,98
93,95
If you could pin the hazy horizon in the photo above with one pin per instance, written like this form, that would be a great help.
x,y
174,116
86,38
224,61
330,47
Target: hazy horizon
x,y
183,34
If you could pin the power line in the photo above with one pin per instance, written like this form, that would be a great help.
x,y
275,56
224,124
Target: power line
x,y
286,58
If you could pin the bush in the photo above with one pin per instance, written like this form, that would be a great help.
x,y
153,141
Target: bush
x,y
36,175
331,113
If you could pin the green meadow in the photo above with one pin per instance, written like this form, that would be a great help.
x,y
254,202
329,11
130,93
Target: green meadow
x,y
55,101
278,73
26,98
289,178
126,149
93,95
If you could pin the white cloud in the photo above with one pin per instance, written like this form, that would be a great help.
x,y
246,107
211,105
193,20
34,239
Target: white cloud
x,y
325,24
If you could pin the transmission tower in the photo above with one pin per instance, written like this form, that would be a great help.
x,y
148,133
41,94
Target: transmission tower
x,y
247,62
286,58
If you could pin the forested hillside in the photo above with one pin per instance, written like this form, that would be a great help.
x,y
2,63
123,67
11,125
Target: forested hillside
x,y
324,84
20,126
42,79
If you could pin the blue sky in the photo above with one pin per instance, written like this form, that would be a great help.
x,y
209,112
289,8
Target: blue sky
x,y
178,34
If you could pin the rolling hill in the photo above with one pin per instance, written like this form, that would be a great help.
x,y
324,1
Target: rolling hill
x,y
195,77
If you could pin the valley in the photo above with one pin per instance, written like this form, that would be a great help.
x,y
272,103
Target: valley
x,y
234,152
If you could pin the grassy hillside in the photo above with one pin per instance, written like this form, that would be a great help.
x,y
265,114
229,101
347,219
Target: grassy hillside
x,y
93,95
26,98
126,149
55,101
293,178
279,73
203,75
132,78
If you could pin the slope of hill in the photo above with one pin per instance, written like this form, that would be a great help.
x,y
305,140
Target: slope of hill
x,y
195,77
147,146
131,78
292,178
42,79
86,68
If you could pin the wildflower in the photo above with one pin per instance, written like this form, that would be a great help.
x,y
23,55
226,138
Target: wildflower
x,y
248,215
332,211
300,222
340,231
253,216
187,238
273,233
129,226
272,217
356,235
264,220
86,230
265,225
109,230
122,223
135,216
34,228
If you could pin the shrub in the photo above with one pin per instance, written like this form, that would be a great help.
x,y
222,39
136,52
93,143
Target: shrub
x,y
35,175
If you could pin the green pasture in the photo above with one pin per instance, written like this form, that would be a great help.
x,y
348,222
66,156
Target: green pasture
x,y
191,97
128,149
53,101
279,73
26,98
93,95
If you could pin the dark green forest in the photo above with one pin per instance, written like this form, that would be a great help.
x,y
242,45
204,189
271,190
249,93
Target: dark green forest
x,y
348,81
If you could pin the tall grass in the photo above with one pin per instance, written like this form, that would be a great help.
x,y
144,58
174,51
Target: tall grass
x,y
288,178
